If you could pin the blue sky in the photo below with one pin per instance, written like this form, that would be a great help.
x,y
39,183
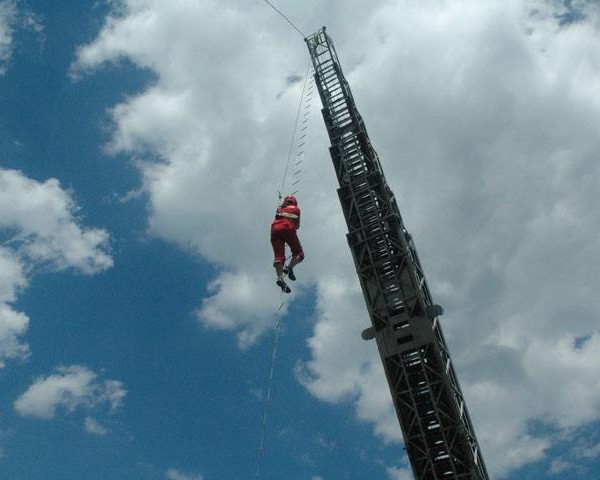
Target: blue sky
x,y
141,149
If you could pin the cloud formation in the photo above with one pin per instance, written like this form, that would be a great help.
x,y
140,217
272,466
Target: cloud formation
x,y
40,232
14,16
7,18
484,115
70,388
92,426
173,474
13,324
41,221
202,143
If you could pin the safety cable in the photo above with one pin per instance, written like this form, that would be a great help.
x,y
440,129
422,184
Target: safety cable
x,y
286,18
302,136
267,402
294,133
280,315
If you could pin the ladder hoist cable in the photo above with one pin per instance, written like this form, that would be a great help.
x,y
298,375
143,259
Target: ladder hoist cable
x,y
296,174
303,133
267,400
285,18
305,98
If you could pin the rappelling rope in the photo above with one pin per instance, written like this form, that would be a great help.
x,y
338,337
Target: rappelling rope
x,y
299,136
297,172
267,399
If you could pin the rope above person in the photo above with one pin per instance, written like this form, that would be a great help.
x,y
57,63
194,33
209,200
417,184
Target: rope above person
x,y
283,232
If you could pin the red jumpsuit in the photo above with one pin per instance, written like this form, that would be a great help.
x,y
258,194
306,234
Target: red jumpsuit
x,y
283,230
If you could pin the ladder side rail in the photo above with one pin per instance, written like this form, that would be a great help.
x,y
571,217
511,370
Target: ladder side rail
x,y
456,389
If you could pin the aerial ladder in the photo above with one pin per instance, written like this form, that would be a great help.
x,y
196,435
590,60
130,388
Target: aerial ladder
x,y
438,435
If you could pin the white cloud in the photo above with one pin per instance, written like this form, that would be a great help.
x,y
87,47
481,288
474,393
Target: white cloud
x,y
189,136
558,466
577,454
588,451
92,426
70,388
41,221
13,324
173,474
7,16
40,231
484,114
14,16
238,305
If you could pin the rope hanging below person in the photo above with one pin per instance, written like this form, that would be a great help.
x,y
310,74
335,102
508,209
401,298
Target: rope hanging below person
x,y
267,402
283,230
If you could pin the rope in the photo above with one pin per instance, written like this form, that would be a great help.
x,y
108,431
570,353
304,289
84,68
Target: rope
x,y
301,142
261,447
279,323
303,133
286,18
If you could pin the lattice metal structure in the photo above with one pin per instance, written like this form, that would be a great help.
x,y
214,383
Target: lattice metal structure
x,y
439,437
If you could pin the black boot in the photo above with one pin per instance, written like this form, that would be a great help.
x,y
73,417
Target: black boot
x,y
284,286
290,273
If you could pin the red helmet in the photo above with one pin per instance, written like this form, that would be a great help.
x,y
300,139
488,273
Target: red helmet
x,y
290,200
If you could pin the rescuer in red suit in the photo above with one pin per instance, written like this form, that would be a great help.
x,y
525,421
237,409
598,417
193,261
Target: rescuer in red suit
x,y
283,230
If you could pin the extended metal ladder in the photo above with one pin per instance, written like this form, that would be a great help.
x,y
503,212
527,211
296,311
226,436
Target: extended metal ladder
x,y
438,434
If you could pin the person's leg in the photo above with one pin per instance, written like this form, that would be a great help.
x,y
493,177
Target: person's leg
x,y
278,244
297,254
280,281
279,270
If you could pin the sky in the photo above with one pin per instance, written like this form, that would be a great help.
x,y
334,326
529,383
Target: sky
x,y
143,144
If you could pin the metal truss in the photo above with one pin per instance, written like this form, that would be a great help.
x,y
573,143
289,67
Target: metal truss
x,y
438,434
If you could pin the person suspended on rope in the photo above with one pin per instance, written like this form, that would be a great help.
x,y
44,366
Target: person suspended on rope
x,y
283,231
